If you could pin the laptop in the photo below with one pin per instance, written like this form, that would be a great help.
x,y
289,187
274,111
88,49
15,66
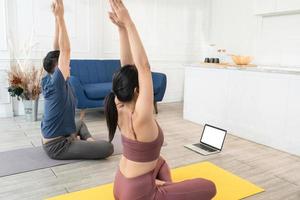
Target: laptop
x,y
211,141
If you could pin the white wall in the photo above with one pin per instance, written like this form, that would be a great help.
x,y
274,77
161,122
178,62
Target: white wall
x,y
280,40
233,25
3,45
34,16
266,29
5,106
174,32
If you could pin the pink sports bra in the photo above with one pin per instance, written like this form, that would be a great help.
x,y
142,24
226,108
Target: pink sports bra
x,y
143,151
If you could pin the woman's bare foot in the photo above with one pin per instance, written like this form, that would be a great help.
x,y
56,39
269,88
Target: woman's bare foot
x,y
159,182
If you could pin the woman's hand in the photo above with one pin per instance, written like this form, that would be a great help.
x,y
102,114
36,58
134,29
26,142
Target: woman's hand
x,y
114,19
119,15
58,8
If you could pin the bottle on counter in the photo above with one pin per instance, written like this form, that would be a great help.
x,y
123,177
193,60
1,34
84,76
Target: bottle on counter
x,y
220,55
224,58
212,51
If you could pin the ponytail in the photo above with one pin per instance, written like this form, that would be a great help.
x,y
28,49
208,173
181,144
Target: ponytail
x,y
111,115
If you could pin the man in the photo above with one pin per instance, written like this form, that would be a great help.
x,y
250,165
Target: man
x,y
64,139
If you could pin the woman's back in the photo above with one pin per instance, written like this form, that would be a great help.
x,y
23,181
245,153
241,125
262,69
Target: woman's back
x,y
137,137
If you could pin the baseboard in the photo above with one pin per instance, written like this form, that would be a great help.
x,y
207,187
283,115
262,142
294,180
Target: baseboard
x,y
6,111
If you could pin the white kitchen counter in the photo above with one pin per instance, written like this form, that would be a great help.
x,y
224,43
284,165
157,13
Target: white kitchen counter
x,y
267,69
262,107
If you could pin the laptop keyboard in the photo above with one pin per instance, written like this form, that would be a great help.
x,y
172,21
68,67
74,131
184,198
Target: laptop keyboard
x,y
206,148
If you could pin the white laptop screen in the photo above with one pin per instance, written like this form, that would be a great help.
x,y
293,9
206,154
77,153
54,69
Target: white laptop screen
x,y
213,136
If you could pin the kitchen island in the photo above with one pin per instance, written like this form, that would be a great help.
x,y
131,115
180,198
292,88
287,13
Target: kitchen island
x,y
261,104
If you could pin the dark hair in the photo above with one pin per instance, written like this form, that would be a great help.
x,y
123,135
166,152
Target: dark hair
x,y
125,81
50,61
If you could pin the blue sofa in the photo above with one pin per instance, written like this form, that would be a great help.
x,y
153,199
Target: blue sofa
x,y
92,81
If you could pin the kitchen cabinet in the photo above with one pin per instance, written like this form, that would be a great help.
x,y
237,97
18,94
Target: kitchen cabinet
x,y
293,108
288,5
277,7
209,103
265,6
260,106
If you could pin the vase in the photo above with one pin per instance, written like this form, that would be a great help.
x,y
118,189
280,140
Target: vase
x,y
31,109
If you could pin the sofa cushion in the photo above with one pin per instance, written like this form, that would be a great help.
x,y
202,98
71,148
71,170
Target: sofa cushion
x,y
97,90
156,88
94,71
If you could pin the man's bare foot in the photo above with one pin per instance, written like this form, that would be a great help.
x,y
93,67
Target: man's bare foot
x,y
90,139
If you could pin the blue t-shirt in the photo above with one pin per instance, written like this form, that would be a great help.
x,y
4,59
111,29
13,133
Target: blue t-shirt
x,y
59,108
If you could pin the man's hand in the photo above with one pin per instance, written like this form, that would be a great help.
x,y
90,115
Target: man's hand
x,y
53,5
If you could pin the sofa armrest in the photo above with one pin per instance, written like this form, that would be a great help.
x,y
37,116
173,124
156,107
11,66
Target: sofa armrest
x,y
79,91
159,79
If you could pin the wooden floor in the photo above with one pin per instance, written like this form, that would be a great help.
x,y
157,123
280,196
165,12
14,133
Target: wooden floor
x,y
277,172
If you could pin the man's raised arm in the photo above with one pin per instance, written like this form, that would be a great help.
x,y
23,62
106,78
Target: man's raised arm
x,y
63,40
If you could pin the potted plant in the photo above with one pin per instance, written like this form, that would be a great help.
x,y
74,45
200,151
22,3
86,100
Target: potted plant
x,y
23,78
25,86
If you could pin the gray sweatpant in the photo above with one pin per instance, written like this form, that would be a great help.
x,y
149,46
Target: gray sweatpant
x,y
70,148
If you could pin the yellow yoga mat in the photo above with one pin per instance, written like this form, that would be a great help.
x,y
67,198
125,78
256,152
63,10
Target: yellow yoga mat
x,y
229,186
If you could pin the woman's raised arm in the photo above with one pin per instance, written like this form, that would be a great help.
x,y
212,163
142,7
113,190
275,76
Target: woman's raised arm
x,y
144,104
125,51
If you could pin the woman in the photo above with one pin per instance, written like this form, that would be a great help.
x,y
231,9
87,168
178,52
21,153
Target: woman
x,y
63,139
142,174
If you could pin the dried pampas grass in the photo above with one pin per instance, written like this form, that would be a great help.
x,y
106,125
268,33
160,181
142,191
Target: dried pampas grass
x,y
29,80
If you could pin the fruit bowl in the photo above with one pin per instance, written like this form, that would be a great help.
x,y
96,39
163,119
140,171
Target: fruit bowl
x,y
241,60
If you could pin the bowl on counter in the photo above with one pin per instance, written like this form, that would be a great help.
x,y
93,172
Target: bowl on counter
x,y
241,60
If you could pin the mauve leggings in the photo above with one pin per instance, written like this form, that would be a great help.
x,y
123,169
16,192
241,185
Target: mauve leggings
x,y
144,188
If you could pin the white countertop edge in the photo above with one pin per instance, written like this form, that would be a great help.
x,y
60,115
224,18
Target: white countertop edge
x,y
265,69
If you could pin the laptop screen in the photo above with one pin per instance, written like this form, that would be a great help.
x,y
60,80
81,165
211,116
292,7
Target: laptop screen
x,y
213,136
